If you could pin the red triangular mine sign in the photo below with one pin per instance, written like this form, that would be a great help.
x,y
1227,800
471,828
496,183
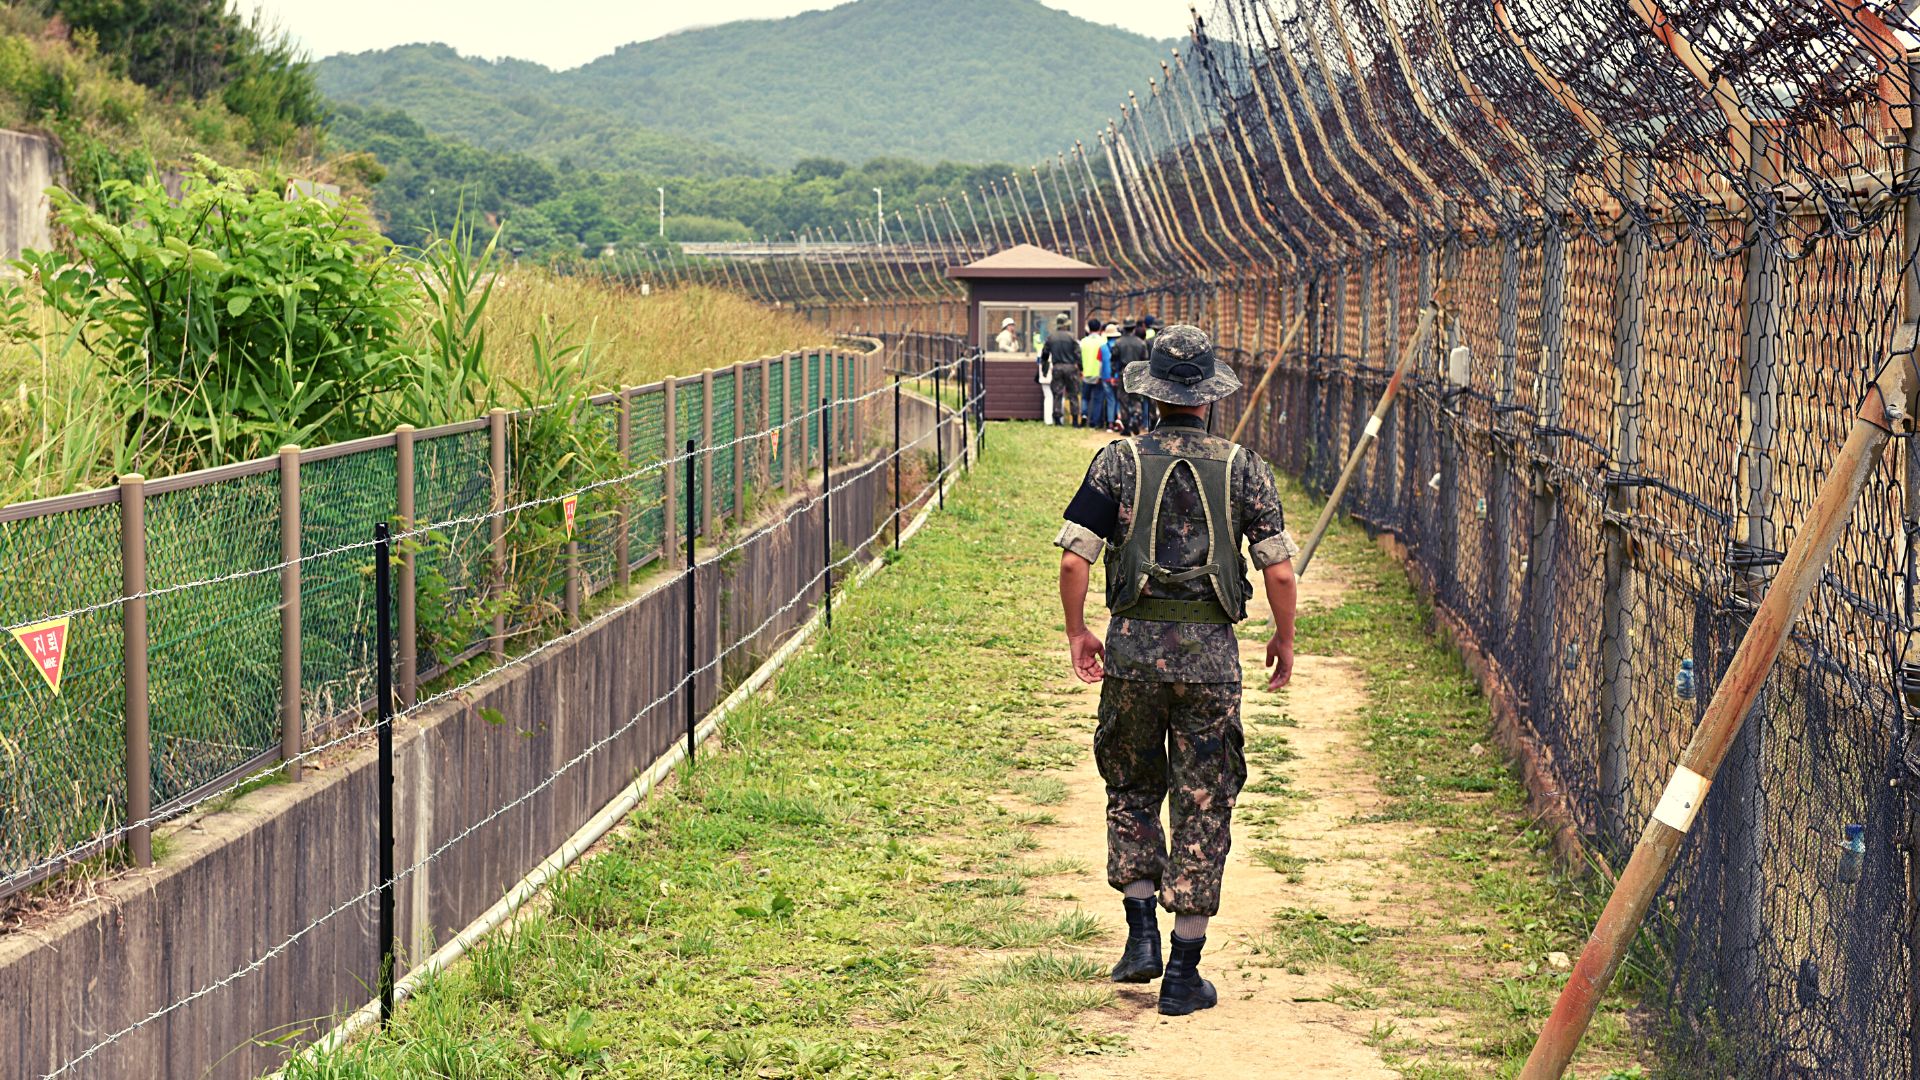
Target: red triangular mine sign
x,y
569,506
46,645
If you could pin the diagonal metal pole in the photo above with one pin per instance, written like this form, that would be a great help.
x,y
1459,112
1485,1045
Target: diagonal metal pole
x,y
1889,402
1259,391
1366,439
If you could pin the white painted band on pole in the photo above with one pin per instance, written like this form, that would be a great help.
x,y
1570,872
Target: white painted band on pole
x,y
1373,426
1680,803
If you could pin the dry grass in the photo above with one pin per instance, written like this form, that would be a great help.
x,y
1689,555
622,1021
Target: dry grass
x,y
636,339
56,435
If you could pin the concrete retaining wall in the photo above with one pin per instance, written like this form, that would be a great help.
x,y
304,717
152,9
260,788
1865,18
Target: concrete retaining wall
x,y
238,891
29,165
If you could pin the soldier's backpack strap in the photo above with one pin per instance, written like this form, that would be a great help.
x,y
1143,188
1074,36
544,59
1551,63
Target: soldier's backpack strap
x,y
1134,563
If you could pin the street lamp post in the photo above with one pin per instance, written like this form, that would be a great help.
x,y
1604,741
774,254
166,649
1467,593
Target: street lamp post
x,y
663,211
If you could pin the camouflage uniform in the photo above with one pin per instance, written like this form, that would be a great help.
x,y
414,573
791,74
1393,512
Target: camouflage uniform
x,y
1170,703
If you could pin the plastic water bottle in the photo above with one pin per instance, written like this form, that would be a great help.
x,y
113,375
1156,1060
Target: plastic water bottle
x,y
1683,680
1853,854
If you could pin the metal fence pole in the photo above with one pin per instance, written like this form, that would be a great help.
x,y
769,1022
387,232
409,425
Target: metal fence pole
x,y
1447,435
826,505
383,694
623,525
1505,464
1618,636
1910,521
133,644
292,723
939,441
497,530
966,409
896,462
1543,546
692,581
409,663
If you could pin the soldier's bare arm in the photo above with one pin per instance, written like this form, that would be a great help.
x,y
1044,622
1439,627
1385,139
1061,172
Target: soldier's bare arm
x,y
1082,643
1279,580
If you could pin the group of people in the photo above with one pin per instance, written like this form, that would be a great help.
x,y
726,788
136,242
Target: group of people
x,y
1081,378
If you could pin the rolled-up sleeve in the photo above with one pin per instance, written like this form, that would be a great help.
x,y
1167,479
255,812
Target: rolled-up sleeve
x,y
1080,540
1262,519
1274,549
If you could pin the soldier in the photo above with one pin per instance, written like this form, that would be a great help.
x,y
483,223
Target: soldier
x,y
1060,372
1167,512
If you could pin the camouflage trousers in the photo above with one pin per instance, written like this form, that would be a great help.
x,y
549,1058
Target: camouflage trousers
x,y
1179,741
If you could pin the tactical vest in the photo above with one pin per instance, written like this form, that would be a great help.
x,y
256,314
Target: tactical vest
x,y
1130,563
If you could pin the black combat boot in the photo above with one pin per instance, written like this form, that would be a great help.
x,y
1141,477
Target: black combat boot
x,y
1141,962
1183,990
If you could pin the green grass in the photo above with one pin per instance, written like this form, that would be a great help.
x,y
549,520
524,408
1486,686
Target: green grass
x,y
835,893
1493,891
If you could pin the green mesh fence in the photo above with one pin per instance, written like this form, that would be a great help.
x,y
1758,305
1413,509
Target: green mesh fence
x,y
61,757
649,444
213,652
725,426
687,426
777,417
450,482
214,649
340,501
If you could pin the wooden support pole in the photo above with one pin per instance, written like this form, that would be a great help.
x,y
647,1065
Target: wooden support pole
x,y
1260,388
292,722
1619,640
740,449
706,456
1889,402
133,658
1367,435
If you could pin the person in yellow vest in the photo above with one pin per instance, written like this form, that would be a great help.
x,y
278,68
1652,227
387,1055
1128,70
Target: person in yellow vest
x,y
1092,390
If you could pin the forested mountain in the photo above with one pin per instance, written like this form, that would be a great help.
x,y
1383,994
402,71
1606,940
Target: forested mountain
x,y
930,80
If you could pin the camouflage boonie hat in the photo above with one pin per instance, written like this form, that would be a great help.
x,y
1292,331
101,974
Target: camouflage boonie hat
x,y
1181,369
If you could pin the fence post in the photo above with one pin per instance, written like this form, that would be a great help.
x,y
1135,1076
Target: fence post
x,y
1500,510
497,529
133,644
1390,432
740,430
292,724
670,477
623,527
1543,545
939,442
1910,514
706,460
408,615
763,473
789,469
1618,645
896,462
383,737
1445,434
826,505
692,582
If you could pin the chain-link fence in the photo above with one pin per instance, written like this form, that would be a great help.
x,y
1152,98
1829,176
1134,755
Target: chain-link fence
x,y
244,572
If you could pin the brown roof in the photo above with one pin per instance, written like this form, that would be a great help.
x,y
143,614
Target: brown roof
x,y
1027,261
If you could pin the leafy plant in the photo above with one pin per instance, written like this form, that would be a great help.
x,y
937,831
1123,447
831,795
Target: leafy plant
x,y
573,1042
779,907
233,320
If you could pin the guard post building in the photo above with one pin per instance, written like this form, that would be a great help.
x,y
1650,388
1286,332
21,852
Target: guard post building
x,y
1029,285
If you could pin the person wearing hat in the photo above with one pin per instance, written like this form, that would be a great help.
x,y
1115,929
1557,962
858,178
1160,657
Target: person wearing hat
x,y
1007,340
1060,373
1167,512
1123,352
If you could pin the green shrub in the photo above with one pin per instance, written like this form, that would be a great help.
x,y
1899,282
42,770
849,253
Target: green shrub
x,y
233,320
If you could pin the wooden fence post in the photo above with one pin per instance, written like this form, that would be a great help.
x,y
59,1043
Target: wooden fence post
x,y
789,469
408,616
623,522
1619,646
497,529
292,722
670,474
133,652
741,420
763,457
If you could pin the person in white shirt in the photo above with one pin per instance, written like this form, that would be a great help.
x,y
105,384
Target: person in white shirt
x,y
1007,340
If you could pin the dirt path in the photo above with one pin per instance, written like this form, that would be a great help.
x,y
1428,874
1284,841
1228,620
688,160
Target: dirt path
x,y
1279,1015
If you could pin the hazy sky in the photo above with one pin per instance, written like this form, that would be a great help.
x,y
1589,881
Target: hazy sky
x,y
568,33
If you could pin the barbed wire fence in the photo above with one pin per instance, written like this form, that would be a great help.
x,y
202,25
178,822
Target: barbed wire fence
x,y
1671,245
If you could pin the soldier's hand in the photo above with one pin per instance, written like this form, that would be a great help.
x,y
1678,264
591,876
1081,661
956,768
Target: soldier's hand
x,y
1280,661
1087,655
